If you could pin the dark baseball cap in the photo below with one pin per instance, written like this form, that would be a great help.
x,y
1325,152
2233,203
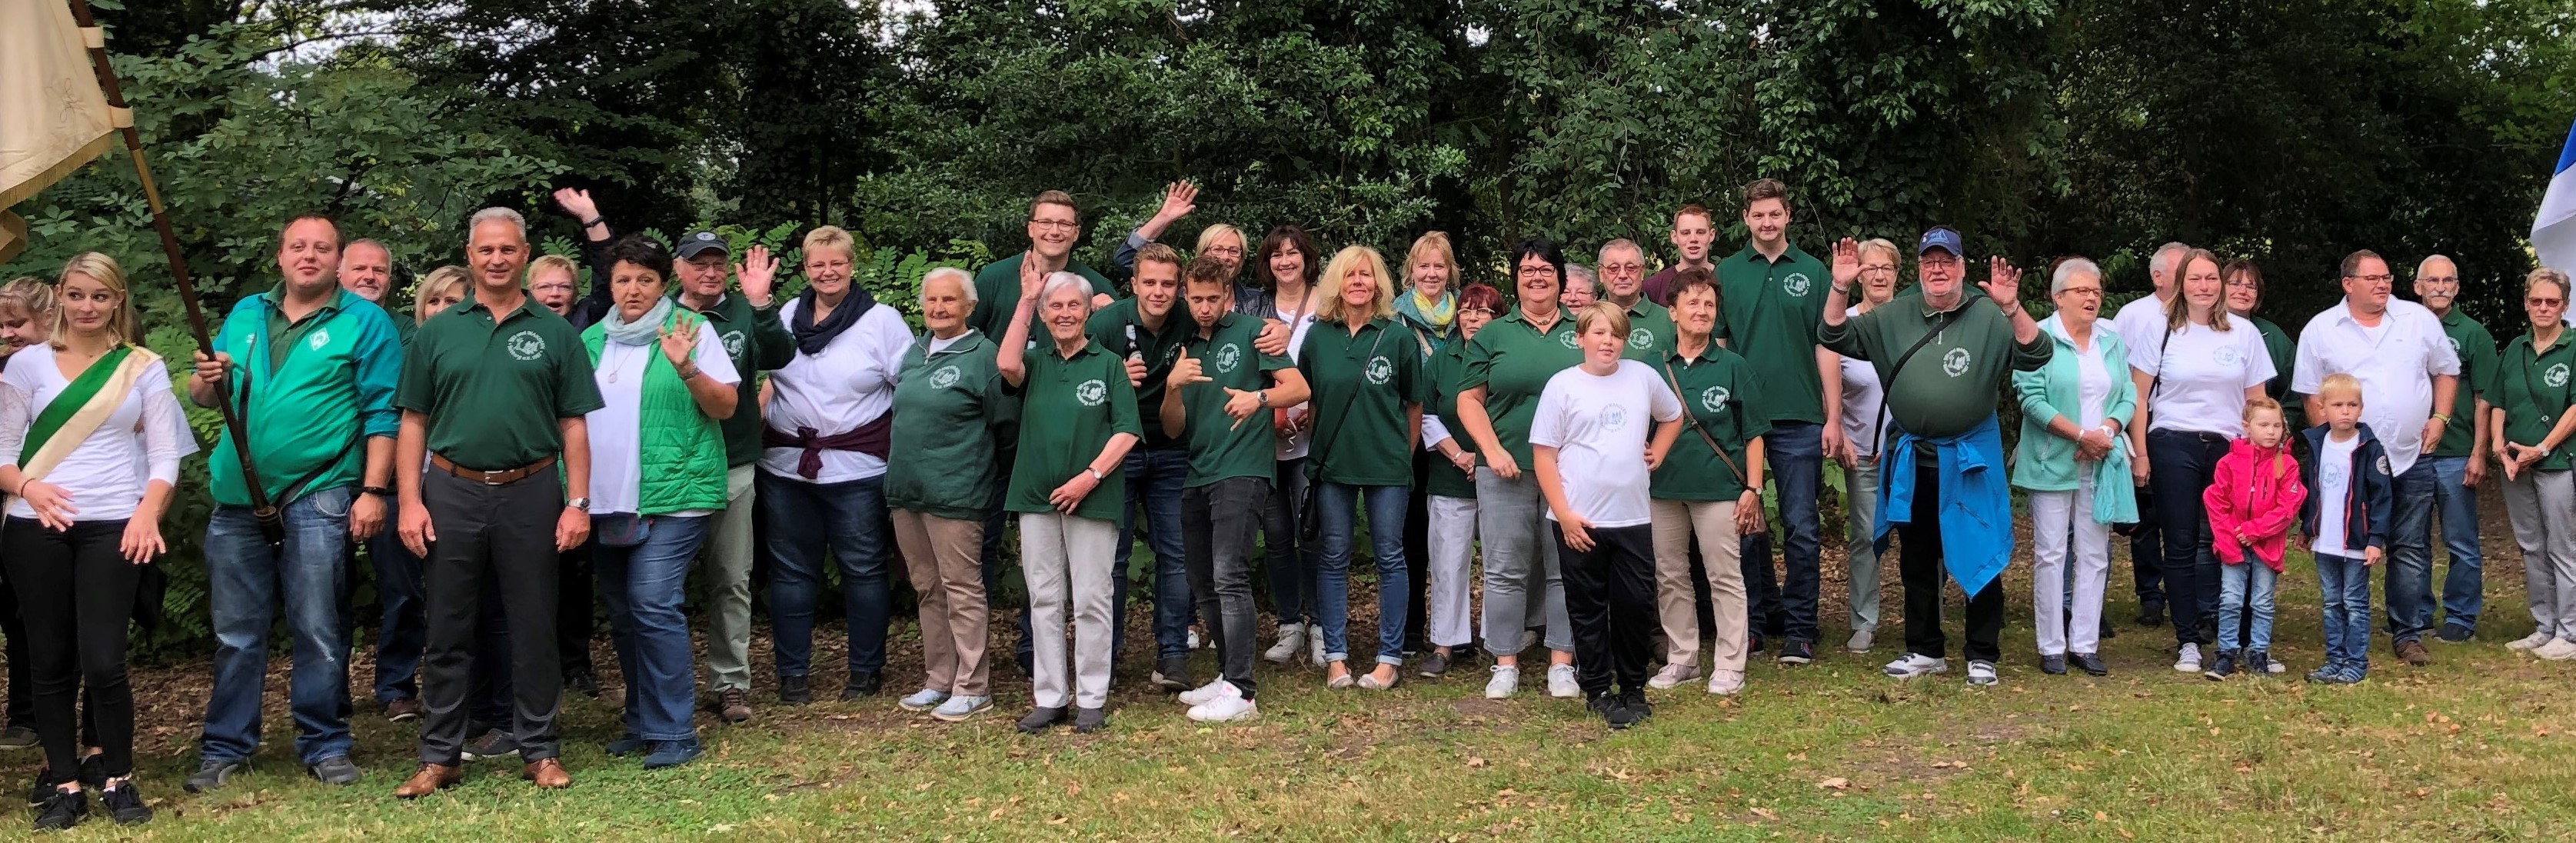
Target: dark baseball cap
x,y
699,243
1941,237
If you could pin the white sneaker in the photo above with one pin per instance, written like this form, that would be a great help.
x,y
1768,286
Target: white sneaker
x,y
1561,684
1225,710
1673,675
2557,650
1981,674
1292,637
1315,649
2533,641
1209,692
1194,641
2277,667
1725,682
2188,661
1506,679
1912,665
1860,640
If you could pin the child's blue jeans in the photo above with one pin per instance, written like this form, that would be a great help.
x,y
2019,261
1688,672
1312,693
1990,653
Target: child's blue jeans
x,y
2345,582
2248,583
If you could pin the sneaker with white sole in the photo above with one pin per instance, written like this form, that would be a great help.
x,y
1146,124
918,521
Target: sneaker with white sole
x,y
1225,709
1505,681
1981,674
1210,691
1315,650
2533,641
2274,666
1292,638
923,700
2188,659
2557,650
1725,682
1672,676
1912,665
1561,683
1860,640
962,706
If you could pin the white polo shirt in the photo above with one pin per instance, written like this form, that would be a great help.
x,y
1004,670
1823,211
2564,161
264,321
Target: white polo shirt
x,y
2141,325
850,384
2395,362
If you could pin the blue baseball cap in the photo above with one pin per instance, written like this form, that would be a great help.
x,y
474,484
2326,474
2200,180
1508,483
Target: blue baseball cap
x,y
1944,238
698,243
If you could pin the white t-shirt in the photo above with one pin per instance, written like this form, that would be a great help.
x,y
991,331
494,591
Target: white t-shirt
x,y
2092,386
1862,395
2334,486
1294,446
1599,425
616,438
142,440
2202,375
850,384
2395,362
2141,324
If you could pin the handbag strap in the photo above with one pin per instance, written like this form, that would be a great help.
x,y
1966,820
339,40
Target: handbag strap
x,y
1894,371
1316,465
1693,420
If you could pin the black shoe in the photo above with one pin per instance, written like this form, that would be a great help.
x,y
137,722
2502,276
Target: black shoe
x,y
43,789
93,771
1795,651
61,810
2455,634
2209,627
125,804
1040,719
1753,643
20,737
795,690
1607,705
1173,674
2053,665
2151,614
1432,666
212,774
1089,720
493,744
2090,663
336,770
579,680
2222,667
2109,629
2258,663
863,683
1634,699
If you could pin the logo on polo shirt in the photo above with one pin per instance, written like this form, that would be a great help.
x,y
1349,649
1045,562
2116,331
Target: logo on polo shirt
x,y
1091,392
526,345
2226,355
944,378
1956,362
1613,418
1795,284
1380,370
1713,399
2556,376
321,337
1567,339
1641,338
1227,357
732,343
2455,344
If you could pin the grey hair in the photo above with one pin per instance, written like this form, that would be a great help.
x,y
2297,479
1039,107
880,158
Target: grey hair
x,y
499,213
1590,279
1061,280
2068,270
2163,261
1885,246
1621,243
2428,261
368,241
964,281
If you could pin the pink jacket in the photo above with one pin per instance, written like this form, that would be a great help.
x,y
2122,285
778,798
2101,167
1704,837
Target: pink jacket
x,y
2257,491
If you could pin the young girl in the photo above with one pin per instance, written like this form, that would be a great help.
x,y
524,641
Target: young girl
x,y
2252,502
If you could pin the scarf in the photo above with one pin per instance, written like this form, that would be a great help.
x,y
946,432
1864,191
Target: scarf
x,y
1436,315
645,330
812,338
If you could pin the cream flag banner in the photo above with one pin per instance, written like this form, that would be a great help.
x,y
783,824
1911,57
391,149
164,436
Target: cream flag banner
x,y
53,117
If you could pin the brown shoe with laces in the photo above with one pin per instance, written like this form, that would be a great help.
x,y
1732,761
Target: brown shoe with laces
x,y
2412,652
547,773
432,778
734,705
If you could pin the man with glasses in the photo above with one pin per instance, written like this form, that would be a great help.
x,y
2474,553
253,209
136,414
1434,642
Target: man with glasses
x,y
2459,460
2409,385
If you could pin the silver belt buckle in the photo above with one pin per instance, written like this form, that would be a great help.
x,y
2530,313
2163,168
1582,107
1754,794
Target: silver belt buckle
x,y
487,478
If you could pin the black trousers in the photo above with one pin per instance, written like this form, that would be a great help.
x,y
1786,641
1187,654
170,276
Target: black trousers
x,y
490,537
2182,464
1417,550
576,610
1919,564
1219,524
75,595
1610,600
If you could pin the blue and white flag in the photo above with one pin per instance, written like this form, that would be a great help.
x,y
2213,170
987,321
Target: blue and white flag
x,y
2553,232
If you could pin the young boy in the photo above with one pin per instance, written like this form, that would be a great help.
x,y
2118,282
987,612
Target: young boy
x,y
2346,523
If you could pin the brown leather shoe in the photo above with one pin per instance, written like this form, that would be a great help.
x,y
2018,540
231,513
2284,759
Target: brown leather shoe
x,y
547,773
2412,652
432,778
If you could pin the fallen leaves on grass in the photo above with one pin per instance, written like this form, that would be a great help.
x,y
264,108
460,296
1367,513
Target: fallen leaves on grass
x,y
1835,783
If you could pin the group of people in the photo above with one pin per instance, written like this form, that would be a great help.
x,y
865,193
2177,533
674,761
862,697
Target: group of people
x,y
1598,438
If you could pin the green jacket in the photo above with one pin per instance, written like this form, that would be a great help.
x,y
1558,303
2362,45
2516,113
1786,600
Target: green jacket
x,y
758,342
2044,461
310,394
683,463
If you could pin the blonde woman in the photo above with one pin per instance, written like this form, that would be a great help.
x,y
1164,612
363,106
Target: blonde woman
x,y
443,287
26,319
26,314
1366,373
1430,303
90,441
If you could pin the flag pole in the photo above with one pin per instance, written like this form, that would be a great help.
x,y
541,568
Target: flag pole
x,y
262,509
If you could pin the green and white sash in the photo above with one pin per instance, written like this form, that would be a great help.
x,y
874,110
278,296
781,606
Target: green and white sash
x,y
80,408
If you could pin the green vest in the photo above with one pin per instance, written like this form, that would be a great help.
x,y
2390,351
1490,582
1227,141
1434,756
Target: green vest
x,y
683,462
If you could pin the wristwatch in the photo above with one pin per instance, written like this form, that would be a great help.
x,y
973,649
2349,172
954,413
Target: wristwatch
x,y
1096,475
1263,396
582,504
378,491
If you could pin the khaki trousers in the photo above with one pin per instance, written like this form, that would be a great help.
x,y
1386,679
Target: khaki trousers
x,y
1713,522
945,559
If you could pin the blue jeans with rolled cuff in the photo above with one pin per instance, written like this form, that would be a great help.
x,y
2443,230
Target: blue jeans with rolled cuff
x,y
805,519
248,581
1386,505
2344,582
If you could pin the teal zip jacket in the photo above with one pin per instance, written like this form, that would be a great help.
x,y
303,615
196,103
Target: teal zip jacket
x,y
309,394
2045,462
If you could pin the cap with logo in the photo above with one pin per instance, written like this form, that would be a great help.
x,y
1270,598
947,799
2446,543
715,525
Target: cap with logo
x,y
1941,237
699,243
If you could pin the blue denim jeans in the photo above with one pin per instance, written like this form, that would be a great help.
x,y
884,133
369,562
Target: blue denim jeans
x,y
2464,586
805,519
1291,567
1386,505
1786,604
2345,584
247,580
641,586
2410,554
1154,485
2248,584
405,631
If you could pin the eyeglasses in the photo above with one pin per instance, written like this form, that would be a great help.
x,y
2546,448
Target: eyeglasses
x,y
2081,291
1233,251
1878,267
1055,225
2371,279
1489,314
1942,260
2536,301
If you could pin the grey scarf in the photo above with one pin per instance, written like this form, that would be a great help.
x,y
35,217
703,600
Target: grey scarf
x,y
645,330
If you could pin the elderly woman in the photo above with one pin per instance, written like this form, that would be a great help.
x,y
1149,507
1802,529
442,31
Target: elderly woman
x,y
940,480
1287,264
657,471
823,464
1582,288
1508,366
2534,415
2075,464
1066,484
2194,388
1864,428
90,441
1451,488
553,280
1366,373
1709,488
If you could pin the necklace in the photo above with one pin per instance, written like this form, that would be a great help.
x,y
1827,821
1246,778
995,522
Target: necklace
x,y
615,369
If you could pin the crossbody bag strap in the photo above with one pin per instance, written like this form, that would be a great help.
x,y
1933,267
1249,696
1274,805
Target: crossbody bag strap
x,y
1889,383
1695,427
1318,462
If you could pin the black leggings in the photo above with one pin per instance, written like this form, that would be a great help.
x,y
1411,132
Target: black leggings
x,y
75,594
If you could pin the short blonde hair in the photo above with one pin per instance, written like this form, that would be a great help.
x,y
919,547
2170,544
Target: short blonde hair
x,y
1432,242
2339,383
1209,235
1351,259
1593,314
832,237
544,263
1895,256
437,282
103,269
30,294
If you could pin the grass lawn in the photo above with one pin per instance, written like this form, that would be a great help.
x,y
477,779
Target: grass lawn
x,y
2475,746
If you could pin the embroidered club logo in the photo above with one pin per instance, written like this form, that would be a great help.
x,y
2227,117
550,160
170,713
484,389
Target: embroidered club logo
x,y
2227,356
2556,376
526,345
1091,392
1955,362
1566,339
2455,344
2383,466
1380,370
321,337
1613,418
733,343
1641,338
1228,357
1795,284
944,378
1713,399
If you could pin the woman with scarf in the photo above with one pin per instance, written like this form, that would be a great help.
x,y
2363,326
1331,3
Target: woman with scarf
x,y
822,469
1429,304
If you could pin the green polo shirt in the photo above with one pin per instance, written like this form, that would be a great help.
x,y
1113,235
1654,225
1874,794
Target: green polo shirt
x,y
2477,350
758,342
308,393
940,461
1108,327
1221,448
1713,391
1442,374
1953,383
997,294
1362,384
2284,353
2534,390
1770,310
1513,361
494,392
1074,406
1650,333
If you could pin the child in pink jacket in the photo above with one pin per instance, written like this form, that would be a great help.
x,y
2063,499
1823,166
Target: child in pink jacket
x,y
2253,501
